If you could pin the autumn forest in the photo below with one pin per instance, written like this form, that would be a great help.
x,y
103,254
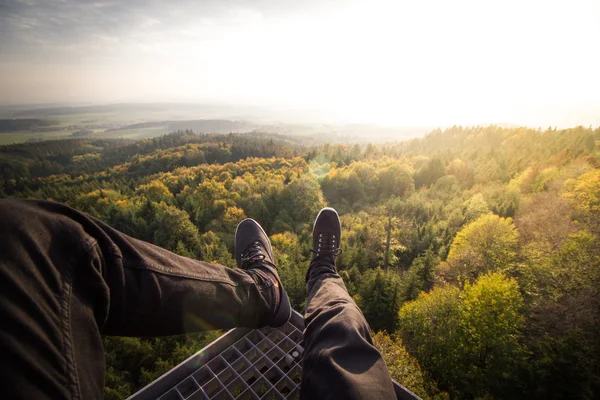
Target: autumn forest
x,y
474,253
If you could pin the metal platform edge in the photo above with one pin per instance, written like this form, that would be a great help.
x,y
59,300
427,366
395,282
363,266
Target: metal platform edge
x,y
165,382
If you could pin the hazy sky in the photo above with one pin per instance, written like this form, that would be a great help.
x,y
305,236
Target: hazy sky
x,y
417,62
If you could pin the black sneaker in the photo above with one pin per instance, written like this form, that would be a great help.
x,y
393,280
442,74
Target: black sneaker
x,y
253,250
327,232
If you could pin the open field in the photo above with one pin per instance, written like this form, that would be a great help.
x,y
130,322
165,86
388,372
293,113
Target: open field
x,y
26,136
61,125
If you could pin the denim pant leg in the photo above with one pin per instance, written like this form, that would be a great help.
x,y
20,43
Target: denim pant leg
x,y
340,361
67,278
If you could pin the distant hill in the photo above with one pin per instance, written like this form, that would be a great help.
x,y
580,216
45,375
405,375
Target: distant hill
x,y
82,133
139,111
141,125
16,125
197,125
213,126
97,109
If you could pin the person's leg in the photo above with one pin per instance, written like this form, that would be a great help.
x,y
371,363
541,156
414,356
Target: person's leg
x,y
339,359
67,278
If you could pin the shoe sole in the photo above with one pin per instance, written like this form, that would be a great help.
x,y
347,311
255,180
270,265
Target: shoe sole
x,y
319,214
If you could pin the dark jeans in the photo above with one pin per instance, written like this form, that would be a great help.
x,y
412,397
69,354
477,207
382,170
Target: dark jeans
x,y
67,278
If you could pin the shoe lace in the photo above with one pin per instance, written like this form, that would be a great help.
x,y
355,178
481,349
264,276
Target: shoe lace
x,y
254,253
327,245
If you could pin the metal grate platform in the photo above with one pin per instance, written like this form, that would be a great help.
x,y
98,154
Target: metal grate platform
x,y
242,364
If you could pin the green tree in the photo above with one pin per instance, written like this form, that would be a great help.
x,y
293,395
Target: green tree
x,y
393,207
564,320
207,202
214,250
475,207
156,191
491,324
544,224
292,267
430,173
470,340
379,299
97,202
404,368
394,180
302,199
502,200
489,243
420,276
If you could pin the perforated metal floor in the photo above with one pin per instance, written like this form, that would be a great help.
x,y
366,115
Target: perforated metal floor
x,y
242,364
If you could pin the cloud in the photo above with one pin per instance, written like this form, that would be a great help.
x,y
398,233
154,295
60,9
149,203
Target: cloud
x,y
48,26
43,28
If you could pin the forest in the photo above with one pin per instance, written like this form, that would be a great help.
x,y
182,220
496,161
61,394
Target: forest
x,y
473,252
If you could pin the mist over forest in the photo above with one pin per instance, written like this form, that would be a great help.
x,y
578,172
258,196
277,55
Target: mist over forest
x,y
19,124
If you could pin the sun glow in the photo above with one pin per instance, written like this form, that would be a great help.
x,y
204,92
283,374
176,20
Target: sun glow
x,y
391,62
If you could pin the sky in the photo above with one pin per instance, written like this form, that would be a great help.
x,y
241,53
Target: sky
x,y
391,62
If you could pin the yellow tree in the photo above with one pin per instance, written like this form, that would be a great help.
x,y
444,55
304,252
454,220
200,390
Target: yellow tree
x,y
487,244
584,194
156,191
